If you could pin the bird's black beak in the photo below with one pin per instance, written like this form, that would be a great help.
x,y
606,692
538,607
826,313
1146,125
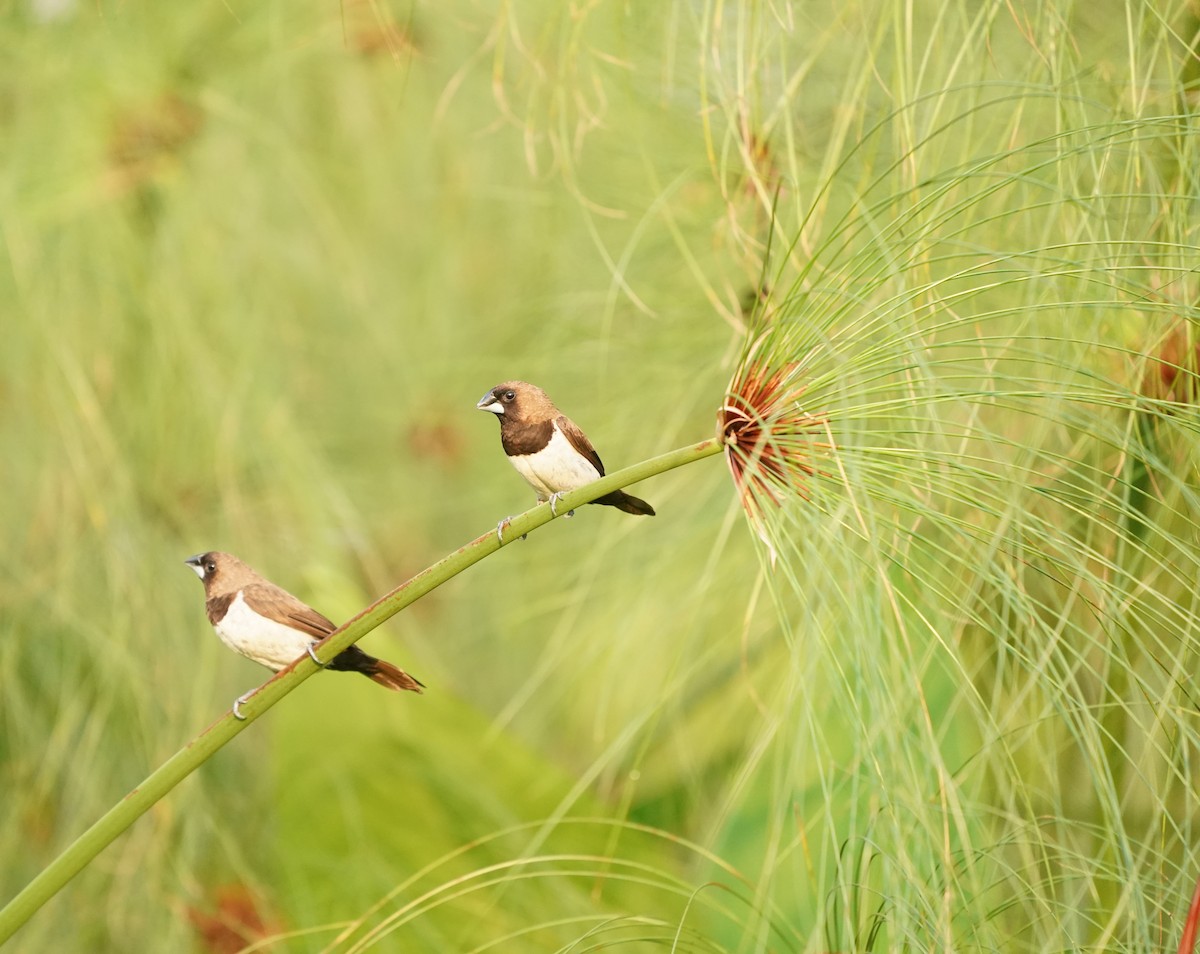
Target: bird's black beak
x,y
194,560
489,403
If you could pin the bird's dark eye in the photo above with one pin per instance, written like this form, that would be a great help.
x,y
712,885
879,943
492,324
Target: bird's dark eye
x,y
210,567
510,395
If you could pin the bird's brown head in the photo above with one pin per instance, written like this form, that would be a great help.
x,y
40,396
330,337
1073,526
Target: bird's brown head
x,y
518,402
219,572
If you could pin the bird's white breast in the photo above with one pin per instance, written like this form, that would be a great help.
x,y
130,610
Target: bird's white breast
x,y
256,637
556,468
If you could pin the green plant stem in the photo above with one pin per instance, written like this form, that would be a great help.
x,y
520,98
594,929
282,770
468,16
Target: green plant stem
x,y
77,855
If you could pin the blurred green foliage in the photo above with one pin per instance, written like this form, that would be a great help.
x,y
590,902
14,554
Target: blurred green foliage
x,y
259,261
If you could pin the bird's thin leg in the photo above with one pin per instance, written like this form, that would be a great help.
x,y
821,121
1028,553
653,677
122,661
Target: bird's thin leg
x,y
237,704
313,656
554,499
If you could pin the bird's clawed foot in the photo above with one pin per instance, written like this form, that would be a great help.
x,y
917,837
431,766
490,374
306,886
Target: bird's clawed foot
x,y
237,704
313,656
554,499
500,528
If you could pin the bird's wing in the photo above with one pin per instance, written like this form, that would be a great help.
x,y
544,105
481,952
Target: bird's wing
x,y
269,600
580,442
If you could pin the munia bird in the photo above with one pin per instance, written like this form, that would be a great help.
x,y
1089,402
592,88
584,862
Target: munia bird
x,y
265,623
547,448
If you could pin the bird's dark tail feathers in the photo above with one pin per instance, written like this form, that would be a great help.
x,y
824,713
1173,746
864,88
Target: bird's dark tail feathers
x,y
377,670
626,502
392,677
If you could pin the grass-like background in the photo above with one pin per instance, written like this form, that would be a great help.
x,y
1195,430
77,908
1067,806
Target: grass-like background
x,y
259,262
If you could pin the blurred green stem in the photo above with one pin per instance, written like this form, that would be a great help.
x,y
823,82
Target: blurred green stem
x,y
51,880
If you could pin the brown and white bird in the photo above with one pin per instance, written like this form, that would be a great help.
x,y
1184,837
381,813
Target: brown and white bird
x,y
547,448
265,623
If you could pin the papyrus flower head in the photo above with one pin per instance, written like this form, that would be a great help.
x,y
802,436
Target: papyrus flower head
x,y
772,444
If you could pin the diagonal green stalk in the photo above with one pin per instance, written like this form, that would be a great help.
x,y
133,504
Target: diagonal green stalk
x,y
77,855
